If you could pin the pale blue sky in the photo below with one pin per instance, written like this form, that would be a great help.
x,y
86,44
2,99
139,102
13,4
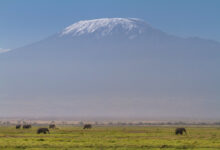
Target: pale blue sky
x,y
25,21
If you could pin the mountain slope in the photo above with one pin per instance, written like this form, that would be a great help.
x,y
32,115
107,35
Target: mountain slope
x,y
115,67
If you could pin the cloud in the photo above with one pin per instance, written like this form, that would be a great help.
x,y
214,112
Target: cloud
x,y
4,50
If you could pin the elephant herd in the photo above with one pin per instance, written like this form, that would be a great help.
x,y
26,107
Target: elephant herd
x,y
26,126
46,130
86,126
40,130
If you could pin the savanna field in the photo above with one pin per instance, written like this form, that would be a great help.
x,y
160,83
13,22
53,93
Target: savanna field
x,y
110,137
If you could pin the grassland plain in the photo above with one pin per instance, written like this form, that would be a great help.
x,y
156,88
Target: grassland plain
x,y
110,137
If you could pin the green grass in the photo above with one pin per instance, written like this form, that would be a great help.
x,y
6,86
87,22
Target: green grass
x,y
106,138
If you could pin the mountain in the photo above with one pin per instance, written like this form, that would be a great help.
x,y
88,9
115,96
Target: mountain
x,y
4,50
112,67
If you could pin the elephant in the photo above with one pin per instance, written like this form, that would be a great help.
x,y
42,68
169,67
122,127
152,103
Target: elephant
x,y
52,126
18,126
180,131
87,126
43,130
27,126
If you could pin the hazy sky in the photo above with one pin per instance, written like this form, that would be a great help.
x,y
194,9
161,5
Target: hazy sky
x,y
25,21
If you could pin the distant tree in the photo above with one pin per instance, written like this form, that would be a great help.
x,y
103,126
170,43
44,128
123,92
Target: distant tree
x,y
64,122
140,123
110,123
81,123
8,123
217,123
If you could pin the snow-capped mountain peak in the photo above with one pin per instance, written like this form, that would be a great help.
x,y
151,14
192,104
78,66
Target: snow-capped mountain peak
x,y
107,26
